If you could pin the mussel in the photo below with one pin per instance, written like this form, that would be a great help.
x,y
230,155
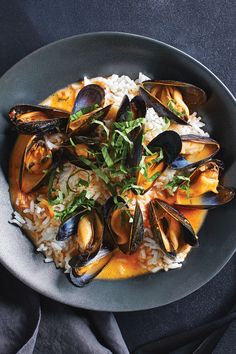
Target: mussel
x,y
37,163
126,228
165,148
38,120
88,107
203,190
195,150
171,144
81,147
87,226
124,112
170,227
89,268
135,152
138,107
173,99
89,97
130,110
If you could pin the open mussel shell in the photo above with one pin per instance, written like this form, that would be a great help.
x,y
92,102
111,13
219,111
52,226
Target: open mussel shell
x,y
165,148
126,235
171,144
192,97
89,96
195,150
38,120
38,161
135,152
170,227
124,110
130,110
88,228
90,141
84,123
90,267
69,226
204,190
84,147
89,103
138,107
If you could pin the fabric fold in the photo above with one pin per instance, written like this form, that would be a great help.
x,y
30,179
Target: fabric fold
x,y
208,335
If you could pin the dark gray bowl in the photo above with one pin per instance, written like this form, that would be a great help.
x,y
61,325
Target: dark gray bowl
x,y
65,61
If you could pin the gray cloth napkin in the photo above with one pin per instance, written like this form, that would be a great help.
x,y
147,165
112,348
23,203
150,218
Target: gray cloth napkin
x,y
30,323
33,324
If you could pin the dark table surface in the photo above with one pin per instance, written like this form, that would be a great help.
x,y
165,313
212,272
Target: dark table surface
x,y
203,29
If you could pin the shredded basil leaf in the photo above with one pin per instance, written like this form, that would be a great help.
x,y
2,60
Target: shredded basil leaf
x,y
103,125
107,157
79,201
72,142
166,123
125,137
175,183
82,182
149,152
186,187
173,109
83,111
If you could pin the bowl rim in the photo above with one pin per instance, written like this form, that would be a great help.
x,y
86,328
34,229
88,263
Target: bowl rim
x,y
64,300
124,34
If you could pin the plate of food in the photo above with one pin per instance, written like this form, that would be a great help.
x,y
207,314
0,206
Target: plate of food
x,y
117,180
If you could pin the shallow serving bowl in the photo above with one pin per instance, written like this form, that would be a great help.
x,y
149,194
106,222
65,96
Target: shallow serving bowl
x,y
101,54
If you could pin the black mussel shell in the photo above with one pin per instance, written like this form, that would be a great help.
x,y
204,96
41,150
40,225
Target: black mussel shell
x,y
29,181
138,106
137,230
171,144
210,149
159,225
89,268
69,226
207,200
130,110
161,110
48,119
135,152
110,205
193,96
73,158
90,141
91,144
136,235
124,110
89,96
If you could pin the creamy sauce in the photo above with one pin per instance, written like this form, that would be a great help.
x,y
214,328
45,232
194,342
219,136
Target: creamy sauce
x,y
121,265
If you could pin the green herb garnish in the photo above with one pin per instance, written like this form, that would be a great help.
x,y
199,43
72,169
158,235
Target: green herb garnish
x,y
82,182
186,187
72,142
167,123
173,109
83,111
79,201
177,181
102,125
107,157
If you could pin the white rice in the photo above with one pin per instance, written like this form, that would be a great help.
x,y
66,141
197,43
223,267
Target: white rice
x,y
36,218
